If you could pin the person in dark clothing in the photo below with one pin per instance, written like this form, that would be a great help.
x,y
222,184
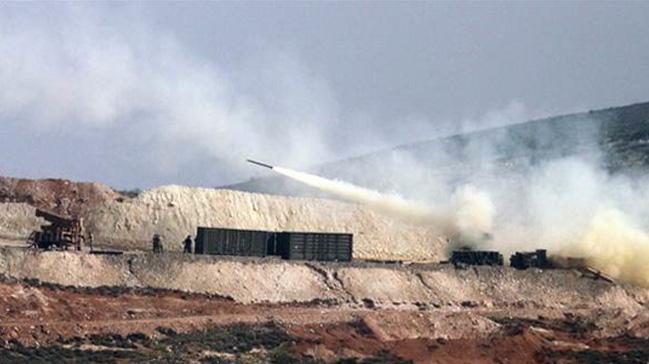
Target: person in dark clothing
x,y
157,243
187,244
91,240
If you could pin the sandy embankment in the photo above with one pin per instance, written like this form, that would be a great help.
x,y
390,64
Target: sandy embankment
x,y
176,212
277,281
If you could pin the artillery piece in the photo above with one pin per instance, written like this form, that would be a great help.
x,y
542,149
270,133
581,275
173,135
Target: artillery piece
x,y
61,233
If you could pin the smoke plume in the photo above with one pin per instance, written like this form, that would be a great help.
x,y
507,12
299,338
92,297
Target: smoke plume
x,y
111,81
613,245
569,206
574,208
468,217
121,87
577,209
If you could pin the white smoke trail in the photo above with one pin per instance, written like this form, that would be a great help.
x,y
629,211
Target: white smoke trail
x,y
468,216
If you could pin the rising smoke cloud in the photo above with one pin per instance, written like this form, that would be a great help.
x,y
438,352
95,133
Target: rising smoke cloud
x,y
613,245
148,107
569,206
135,89
579,210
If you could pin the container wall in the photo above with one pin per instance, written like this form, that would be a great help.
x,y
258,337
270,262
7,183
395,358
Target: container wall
x,y
476,257
288,245
315,246
219,241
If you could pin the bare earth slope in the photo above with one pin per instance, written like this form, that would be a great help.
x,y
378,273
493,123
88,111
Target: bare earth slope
x,y
321,312
175,212
17,220
278,281
57,195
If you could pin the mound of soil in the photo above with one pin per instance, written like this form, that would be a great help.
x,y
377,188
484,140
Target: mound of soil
x,y
127,221
57,195
176,211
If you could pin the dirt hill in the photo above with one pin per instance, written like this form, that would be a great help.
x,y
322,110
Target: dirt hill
x,y
176,212
57,195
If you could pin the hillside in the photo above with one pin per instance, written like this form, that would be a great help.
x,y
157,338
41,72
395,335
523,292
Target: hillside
x,y
57,195
176,211
616,138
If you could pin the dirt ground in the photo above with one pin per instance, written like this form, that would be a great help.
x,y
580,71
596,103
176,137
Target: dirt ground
x,y
49,323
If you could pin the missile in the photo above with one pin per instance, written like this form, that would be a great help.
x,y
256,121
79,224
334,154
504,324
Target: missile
x,y
259,163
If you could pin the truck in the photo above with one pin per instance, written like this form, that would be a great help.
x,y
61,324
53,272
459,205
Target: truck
x,y
61,233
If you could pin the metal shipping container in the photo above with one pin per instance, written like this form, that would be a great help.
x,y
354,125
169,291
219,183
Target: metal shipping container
x,y
315,246
221,241
461,258
524,260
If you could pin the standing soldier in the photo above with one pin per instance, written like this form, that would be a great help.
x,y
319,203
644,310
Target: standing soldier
x,y
91,240
187,244
157,243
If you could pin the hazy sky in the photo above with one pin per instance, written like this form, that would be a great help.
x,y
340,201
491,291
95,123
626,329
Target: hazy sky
x,y
138,95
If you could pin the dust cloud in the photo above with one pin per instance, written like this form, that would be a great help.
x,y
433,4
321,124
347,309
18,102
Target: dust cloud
x,y
578,209
615,246
575,208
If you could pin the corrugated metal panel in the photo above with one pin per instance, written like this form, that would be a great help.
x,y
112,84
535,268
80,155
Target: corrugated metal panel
x,y
476,257
315,246
220,241
524,260
288,245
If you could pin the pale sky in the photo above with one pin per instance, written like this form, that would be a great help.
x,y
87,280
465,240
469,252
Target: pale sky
x,y
139,95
